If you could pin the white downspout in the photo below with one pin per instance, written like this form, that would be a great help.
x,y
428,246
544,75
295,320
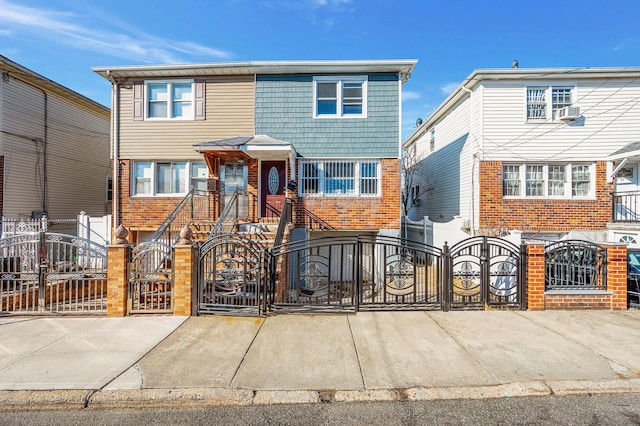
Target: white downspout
x,y
115,190
473,171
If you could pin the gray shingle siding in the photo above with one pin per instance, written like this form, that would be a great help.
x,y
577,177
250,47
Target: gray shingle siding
x,y
284,110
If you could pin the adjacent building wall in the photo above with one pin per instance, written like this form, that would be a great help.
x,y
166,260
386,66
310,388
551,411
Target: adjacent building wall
x,y
70,138
466,174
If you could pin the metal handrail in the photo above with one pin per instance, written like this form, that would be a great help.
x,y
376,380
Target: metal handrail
x,y
625,206
312,220
233,201
187,201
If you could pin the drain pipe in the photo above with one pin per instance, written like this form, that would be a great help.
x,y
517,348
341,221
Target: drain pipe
x,y
115,187
473,171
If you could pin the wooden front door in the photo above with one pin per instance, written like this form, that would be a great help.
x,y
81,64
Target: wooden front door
x,y
273,181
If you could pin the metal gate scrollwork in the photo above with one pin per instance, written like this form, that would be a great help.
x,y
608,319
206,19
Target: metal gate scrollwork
x,y
485,272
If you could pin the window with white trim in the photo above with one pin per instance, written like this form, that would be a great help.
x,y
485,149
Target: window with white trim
x,y
340,97
169,100
564,180
339,178
168,177
538,106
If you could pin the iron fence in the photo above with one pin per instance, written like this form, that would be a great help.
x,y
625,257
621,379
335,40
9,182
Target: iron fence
x,y
48,272
575,264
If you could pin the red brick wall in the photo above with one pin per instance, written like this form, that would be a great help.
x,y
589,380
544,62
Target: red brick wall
x,y
141,213
362,213
541,214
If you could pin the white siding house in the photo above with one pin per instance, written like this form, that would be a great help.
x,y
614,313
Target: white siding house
x,y
534,150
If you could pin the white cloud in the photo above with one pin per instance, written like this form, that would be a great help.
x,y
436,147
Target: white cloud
x,y
408,95
118,41
448,88
5,33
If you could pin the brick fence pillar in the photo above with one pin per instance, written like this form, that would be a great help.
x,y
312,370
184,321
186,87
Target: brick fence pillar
x,y
183,279
117,279
535,276
617,275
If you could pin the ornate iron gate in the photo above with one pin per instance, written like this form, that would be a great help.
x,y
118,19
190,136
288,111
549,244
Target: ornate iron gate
x,y
151,278
352,273
349,273
399,274
485,272
231,276
47,272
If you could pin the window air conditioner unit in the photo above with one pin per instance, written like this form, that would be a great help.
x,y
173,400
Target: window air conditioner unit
x,y
568,113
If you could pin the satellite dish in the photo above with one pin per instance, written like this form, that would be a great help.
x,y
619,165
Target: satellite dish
x,y
418,122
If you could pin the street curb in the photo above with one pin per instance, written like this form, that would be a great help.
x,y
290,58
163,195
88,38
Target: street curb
x,y
194,397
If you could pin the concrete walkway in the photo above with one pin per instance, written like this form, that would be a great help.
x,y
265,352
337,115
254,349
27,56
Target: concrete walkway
x,y
138,361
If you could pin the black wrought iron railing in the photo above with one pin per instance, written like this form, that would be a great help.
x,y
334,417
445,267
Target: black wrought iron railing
x,y
312,221
194,206
625,206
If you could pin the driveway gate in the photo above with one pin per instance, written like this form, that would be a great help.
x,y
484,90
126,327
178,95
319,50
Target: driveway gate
x,y
47,272
352,273
485,272
349,273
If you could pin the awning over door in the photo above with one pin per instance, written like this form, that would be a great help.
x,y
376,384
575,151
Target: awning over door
x,y
619,159
259,147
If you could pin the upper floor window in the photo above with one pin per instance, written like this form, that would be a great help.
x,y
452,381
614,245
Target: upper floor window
x,y
339,177
538,106
168,100
548,180
168,177
340,96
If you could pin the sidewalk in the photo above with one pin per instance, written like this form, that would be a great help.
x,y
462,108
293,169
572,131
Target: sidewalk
x,y
138,361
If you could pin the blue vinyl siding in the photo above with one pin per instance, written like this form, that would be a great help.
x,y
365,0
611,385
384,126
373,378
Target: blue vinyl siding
x,y
284,110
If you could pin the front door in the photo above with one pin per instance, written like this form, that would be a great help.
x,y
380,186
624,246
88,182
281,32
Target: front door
x,y
234,177
272,184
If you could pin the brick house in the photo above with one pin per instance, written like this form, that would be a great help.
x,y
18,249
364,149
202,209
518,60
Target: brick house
x,y
327,130
537,150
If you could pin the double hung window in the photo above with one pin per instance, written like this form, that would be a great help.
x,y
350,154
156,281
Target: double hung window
x,y
339,177
170,99
548,180
340,96
168,178
538,106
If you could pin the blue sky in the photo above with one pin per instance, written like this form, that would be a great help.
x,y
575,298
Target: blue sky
x,y
63,39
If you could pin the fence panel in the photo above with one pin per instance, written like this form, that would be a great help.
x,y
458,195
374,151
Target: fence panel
x,y
575,264
45,272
